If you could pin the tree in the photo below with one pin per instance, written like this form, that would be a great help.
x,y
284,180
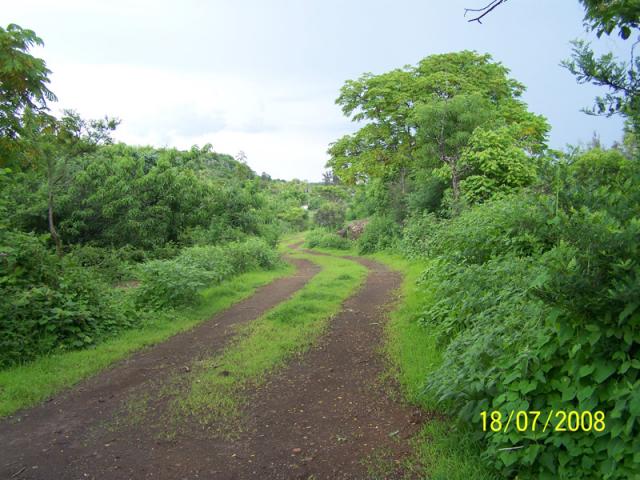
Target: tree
x,y
386,144
480,13
51,145
495,165
328,178
621,78
23,86
241,157
330,215
445,127
422,117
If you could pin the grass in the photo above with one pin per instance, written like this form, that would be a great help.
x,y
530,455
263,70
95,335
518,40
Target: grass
x,y
26,385
291,238
219,385
412,349
442,449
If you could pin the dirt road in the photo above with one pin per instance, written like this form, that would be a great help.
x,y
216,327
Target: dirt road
x,y
325,415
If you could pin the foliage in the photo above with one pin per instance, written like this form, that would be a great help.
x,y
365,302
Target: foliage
x,y
50,303
252,254
23,86
178,281
620,78
380,234
495,166
388,102
117,195
534,302
605,17
420,118
324,239
330,215
416,235
170,283
514,224
113,265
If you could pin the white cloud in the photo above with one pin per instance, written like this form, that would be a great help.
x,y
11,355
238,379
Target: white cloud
x,y
283,127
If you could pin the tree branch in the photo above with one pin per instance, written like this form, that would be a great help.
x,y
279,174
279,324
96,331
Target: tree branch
x,y
484,10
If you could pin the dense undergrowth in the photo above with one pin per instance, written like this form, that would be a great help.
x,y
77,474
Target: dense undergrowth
x,y
326,239
52,304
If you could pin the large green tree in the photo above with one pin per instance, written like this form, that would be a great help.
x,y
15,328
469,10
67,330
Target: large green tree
x,y
423,116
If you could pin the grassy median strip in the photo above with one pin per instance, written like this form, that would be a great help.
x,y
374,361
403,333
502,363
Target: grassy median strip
x,y
219,385
26,385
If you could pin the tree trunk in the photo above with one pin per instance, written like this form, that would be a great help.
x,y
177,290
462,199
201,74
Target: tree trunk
x,y
52,226
455,184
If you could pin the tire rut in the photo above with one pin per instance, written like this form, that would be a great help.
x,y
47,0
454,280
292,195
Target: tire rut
x,y
54,439
326,415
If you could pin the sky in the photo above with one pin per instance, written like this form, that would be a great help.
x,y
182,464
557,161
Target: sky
x,y
262,76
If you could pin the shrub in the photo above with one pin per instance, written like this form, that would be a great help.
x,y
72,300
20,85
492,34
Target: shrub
x,y
516,224
330,215
211,259
417,234
324,239
169,283
49,303
381,233
251,254
112,264
536,309
176,282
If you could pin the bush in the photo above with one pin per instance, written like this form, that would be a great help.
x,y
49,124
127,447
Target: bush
x,y
381,233
211,259
172,283
324,239
535,303
49,303
111,264
330,215
516,224
417,234
252,254
485,326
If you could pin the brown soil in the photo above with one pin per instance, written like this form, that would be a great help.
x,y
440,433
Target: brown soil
x,y
47,440
324,416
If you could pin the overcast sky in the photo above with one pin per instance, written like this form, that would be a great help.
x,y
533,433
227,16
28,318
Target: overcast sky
x,y
262,76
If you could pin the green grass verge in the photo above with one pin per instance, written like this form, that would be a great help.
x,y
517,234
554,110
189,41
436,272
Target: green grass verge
x,y
26,385
219,384
441,449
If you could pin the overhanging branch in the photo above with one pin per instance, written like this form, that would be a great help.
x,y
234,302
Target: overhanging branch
x,y
483,11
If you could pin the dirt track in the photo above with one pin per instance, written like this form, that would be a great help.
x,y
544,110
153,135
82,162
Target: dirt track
x,y
320,417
